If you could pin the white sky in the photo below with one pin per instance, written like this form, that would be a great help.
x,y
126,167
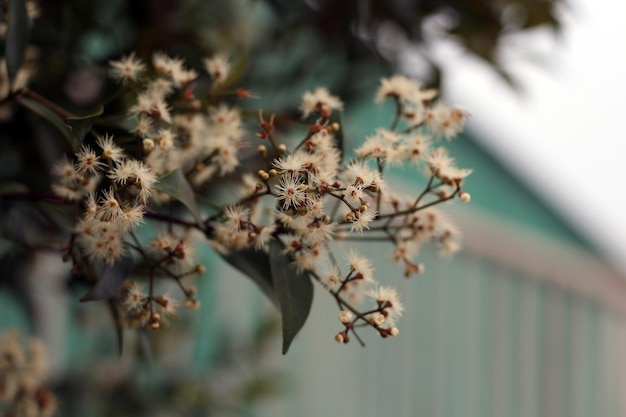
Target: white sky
x,y
565,133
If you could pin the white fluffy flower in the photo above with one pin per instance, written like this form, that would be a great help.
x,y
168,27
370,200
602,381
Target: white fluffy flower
x,y
319,101
291,191
128,68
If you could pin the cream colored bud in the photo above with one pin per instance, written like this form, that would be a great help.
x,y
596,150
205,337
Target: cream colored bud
x,y
263,175
155,325
345,317
394,331
339,337
335,126
282,148
148,145
412,268
262,150
200,269
272,172
192,304
379,319
465,197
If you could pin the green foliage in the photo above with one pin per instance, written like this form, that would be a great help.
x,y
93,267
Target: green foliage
x,y
294,292
53,118
16,37
256,266
111,280
80,126
290,291
176,185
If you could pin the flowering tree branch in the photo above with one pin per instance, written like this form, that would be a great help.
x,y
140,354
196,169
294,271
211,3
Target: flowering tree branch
x,y
281,228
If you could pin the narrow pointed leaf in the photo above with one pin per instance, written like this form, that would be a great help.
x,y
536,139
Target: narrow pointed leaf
x,y
111,280
145,346
294,292
50,116
80,126
176,185
16,37
256,265
119,328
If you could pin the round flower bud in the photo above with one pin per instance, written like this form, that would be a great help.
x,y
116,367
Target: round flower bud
x,y
192,304
345,317
282,148
148,145
263,175
339,337
394,331
200,269
465,197
379,319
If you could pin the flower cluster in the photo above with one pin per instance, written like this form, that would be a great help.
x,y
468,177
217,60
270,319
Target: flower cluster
x,y
169,122
315,200
110,211
22,372
301,196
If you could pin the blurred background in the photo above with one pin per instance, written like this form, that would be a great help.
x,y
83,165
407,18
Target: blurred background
x,y
527,320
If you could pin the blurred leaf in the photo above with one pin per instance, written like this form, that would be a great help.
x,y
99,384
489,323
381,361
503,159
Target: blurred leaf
x,y
80,126
25,224
16,37
176,185
50,116
294,291
12,263
256,265
110,281
118,323
12,186
145,346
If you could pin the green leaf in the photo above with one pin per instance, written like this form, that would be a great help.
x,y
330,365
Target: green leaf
x,y
145,346
256,265
118,323
25,224
50,116
176,185
294,292
80,126
16,37
111,280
